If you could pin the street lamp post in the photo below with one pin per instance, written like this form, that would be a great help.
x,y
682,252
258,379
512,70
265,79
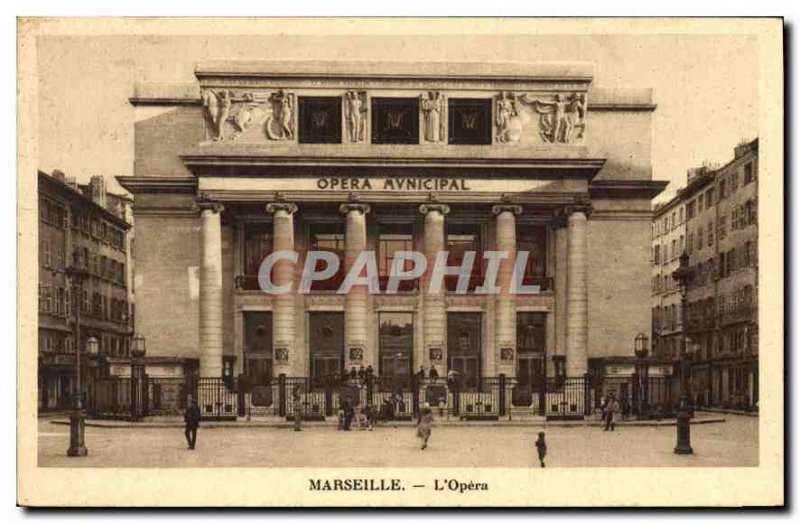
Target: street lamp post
x,y
138,351
77,274
683,275
640,349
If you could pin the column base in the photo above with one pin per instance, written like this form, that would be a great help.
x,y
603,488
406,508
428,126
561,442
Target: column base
x,y
681,449
77,452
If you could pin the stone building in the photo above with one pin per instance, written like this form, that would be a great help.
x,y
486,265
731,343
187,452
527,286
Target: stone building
x,y
85,224
669,233
722,242
344,157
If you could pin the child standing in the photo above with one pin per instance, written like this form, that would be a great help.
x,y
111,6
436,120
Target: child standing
x,y
541,448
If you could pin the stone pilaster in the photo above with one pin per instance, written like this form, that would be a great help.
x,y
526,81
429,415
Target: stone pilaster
x,y
283,273
357,312
577,292
434,319
505,327
211,343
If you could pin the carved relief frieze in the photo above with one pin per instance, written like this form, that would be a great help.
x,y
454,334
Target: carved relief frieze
x,y
561,117
229,115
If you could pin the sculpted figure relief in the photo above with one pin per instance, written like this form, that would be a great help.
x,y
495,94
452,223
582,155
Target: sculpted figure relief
x,y
509,127
217,107
561,118
356,116
432,106
229,115
279,125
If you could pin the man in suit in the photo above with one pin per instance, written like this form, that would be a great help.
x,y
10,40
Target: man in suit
x,y
192,419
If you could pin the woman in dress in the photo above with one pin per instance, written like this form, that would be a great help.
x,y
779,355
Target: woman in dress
x,y
424,424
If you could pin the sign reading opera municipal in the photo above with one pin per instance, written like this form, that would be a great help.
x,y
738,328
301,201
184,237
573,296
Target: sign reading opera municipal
x,y
349,157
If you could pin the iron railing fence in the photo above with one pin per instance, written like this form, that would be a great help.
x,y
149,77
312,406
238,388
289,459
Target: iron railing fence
x,y
391,398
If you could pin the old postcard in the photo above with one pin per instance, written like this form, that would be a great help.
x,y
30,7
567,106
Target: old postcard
x,y
400,262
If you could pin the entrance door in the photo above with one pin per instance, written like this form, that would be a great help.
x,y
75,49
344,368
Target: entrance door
x,y
529,371
464,342
326,344
258,347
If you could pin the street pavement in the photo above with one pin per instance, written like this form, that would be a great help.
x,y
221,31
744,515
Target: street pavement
x,y
729,444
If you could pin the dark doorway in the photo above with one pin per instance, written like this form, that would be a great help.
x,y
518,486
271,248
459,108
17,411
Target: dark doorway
x,y
326,343
396,345
464,342
258,347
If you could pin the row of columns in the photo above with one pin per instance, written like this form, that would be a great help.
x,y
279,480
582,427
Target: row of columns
x,y
357,300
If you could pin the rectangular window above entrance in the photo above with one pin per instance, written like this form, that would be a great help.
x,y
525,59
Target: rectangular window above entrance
x,y
533,240
461,239
328,237
257,246
392,238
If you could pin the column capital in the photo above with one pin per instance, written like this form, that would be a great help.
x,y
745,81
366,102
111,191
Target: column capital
x,y
569,210
514,209
364,208
289,207
205,203
425,208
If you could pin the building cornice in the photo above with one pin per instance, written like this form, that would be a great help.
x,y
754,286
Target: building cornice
x,y
158,184
626,188
545,161
380,70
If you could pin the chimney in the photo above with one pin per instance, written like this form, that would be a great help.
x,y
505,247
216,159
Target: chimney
x,y
97,188
58,175
70,180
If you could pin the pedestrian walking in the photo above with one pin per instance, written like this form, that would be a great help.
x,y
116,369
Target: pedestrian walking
x,y
348,415
298,407
424,425
612,410
192,419
353,373
361,374
604,408
340,418
541,448
433,374
370,411
387,410
421,373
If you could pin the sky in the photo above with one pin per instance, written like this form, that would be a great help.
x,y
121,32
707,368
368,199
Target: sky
x,y
705,86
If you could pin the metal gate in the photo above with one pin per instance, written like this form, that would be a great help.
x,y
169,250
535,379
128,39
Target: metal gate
x,y
216,398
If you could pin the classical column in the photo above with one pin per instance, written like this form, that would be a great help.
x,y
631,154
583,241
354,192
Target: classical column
x,y
559,230
210,289
283,305
433,311
577,293
356,303
505,325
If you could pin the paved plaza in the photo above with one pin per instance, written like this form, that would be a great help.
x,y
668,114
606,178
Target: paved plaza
x,y
732,443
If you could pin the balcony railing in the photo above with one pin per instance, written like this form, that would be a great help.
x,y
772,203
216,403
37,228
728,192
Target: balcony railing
x,y
746,313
